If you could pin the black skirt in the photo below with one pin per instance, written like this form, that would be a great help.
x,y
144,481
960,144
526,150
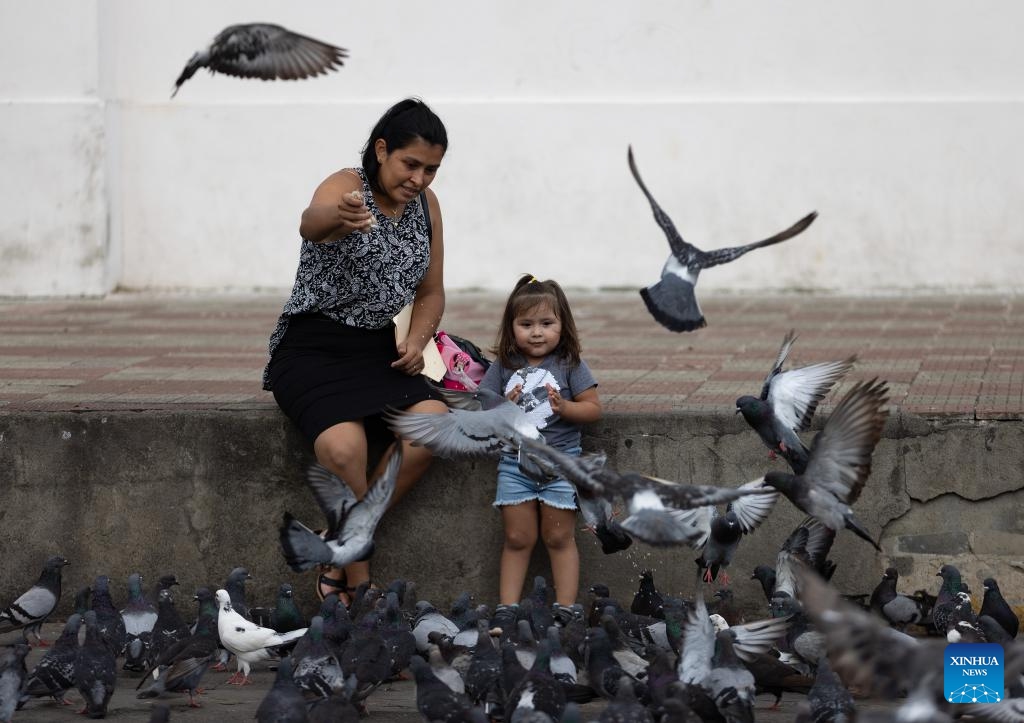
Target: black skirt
x,y
323,373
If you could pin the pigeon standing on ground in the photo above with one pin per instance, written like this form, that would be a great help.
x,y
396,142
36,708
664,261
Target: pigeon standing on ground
x,y
169,627
34,606
672,300
139,619
787,403
351,523
264,51
899,610
108,618
997,608
248,641
286,615
434,700
235,586
95,668
55,673
840,460
284,702
12,677
946,600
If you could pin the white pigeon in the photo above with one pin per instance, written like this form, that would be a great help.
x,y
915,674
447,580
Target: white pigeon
x,y
249,642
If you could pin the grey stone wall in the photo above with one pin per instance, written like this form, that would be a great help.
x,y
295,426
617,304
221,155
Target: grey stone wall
x,y
198,493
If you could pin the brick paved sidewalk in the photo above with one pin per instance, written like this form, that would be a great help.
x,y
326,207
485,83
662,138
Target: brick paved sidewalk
x,y
954,355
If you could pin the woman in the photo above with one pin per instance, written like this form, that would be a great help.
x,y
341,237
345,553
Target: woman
x,y
372,242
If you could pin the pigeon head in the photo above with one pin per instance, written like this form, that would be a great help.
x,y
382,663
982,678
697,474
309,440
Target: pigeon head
x,y
753,409
989,583
202,594
891,574
167,581
223,600
239,574
101,585
781,481
285,590
55,562
135,584
600,590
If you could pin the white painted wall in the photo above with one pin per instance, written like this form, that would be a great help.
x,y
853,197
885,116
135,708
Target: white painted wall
x,y
898,122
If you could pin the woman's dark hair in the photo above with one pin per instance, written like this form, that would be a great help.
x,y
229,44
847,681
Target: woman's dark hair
x,y
400,125
528,293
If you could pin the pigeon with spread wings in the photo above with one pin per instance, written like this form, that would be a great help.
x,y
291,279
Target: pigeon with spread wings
x,y
672,301
657,510
264,51
788,401
840,460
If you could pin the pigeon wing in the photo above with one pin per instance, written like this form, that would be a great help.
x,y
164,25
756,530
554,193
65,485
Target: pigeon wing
x,y
756,638
752,509
681,250
269,52
780,359
794,395
698,644
333,496
840,459
707,259
363,519
458,433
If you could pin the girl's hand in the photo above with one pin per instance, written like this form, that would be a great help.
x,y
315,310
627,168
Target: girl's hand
x,y
513,396
555,400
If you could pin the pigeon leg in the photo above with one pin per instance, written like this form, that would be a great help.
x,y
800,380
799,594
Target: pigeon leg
x,y
772,456
236,678
219,666
192,703
724,577
707,575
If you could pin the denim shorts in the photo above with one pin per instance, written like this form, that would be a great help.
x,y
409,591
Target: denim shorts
x,y
515,487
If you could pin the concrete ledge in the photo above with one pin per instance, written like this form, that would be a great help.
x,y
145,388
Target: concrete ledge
x,y
197,493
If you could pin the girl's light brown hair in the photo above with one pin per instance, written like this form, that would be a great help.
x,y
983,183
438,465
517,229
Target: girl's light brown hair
x,y
526,294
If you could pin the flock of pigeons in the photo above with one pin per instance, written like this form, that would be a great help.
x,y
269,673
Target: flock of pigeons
x,y
659,658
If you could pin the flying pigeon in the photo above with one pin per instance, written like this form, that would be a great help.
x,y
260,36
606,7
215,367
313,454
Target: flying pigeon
x,y
657,509
350,522
54,675
840,460
248,641
95,668
672,300
721,533
788,401
264,51
478,424
899,610
34,606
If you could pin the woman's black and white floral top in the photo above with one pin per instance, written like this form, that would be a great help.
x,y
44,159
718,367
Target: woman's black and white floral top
x,y
364,279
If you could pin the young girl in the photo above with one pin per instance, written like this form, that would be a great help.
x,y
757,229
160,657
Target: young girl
x,y
539,367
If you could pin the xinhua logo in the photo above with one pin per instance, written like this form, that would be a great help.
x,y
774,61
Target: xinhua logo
x,y
973,673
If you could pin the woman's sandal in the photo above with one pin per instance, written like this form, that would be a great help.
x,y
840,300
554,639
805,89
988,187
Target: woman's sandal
x,y
338,586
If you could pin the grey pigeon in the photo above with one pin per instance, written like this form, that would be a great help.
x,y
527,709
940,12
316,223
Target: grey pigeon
x,y
899,610
95,668
656,509
946,600
284,702
139,617
788,401
625,708
840,460
483,677
828,698
54,675
429,619
538,690
478,424
264,51
672,301
181,666
31,609
994,606
12,676
351,523
108,618
435,701
235,586
315,666
397,635
721,533
169,627
366,656
286,615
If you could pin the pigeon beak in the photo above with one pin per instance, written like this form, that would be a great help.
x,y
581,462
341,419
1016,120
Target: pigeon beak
x,y
737,410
